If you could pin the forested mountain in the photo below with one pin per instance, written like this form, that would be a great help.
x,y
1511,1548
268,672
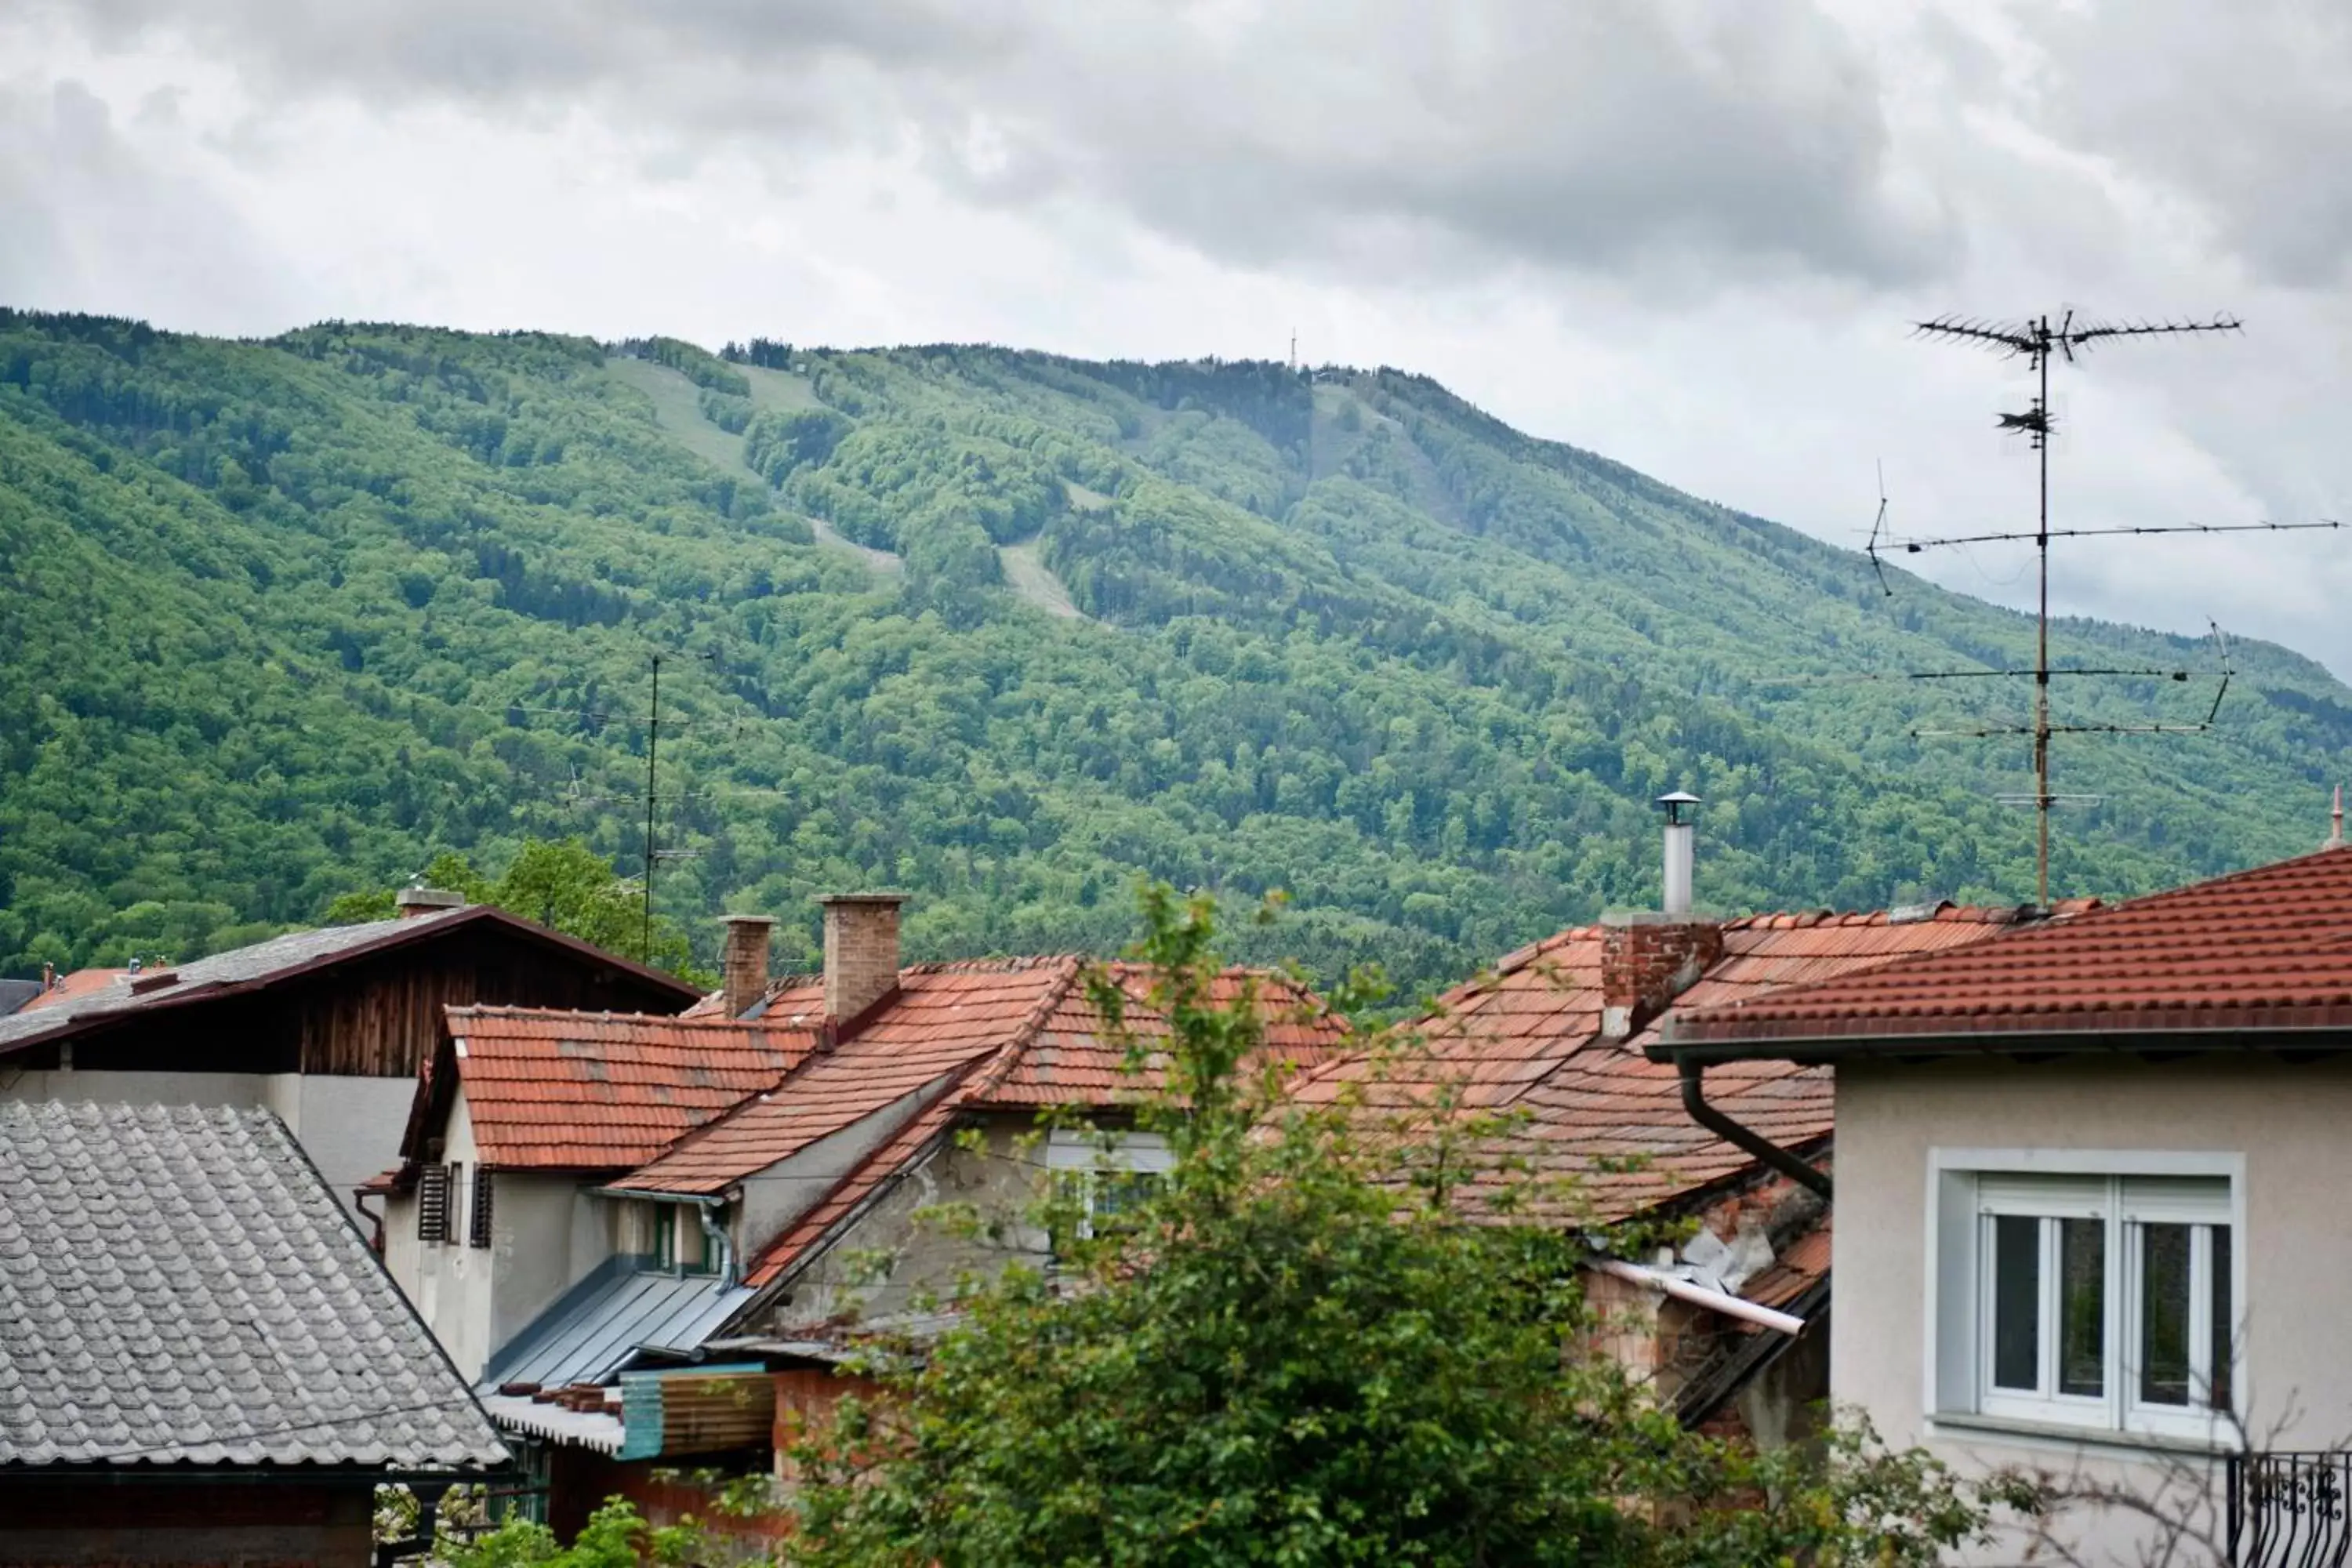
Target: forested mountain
x,y
281,619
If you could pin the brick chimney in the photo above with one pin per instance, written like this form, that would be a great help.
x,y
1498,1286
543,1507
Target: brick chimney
x,y
861,951
744,966
1647,961
413,901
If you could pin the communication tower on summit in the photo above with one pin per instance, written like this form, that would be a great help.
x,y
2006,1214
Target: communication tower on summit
x,y
2038,341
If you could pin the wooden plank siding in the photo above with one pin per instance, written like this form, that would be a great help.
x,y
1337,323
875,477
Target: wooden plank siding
x,y
374,1015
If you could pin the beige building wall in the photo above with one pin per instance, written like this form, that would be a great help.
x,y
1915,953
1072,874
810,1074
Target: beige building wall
x,y
898,1253
2291,1125
547,1234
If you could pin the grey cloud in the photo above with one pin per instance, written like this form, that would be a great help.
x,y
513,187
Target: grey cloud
x,y
1389,135
2243,110
90,220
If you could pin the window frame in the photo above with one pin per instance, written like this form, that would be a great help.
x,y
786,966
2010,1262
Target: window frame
x,y
1967,1188
1078,1154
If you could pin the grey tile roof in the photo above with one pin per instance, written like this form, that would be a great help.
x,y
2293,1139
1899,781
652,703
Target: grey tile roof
x,y
179,1285
263,959
15,993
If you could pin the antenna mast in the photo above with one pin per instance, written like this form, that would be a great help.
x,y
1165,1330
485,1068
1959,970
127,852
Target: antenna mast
x,y
2037,340
653,742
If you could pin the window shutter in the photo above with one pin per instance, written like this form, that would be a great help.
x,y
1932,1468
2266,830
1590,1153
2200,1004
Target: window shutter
x,y
432,1204
477,1231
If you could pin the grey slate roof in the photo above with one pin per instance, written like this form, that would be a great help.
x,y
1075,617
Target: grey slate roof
x,y
279,953
15,993
178,1286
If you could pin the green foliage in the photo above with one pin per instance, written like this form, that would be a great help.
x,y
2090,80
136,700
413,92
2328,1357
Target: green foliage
x,y
285,618
565,886
1277,1361
616,1536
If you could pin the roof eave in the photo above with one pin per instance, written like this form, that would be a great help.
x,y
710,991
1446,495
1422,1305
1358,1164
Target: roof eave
x,y
2126,1040
201,991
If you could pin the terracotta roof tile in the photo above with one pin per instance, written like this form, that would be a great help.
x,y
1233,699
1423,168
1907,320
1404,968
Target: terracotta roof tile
x,y
2267,948
1017,1034
552,1090
944,1018
1525,1044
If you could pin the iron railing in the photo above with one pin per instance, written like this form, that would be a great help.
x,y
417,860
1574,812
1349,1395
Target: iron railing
x,y
2289,1510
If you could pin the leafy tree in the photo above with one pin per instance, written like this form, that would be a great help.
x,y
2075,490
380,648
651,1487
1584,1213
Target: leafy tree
x,y
1280,1359
566,886
283,617
616,1536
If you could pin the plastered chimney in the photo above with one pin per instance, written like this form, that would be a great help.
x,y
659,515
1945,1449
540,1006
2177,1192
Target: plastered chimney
x,y
743,965
412,902
861,951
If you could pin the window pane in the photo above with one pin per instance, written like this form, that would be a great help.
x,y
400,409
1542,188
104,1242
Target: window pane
x,y
2083,1306
2164,1314
2017,1301
2225,1325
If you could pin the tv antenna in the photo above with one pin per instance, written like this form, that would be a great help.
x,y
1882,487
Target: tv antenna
x,y
2038,341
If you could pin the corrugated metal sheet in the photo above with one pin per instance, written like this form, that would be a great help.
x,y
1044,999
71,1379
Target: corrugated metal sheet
x,y
599,1326
697,1410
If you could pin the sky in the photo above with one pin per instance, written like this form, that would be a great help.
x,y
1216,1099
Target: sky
x,y
1692,237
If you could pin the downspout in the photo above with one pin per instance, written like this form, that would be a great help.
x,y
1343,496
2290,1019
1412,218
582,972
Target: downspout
x,y
714,1233
1745,1138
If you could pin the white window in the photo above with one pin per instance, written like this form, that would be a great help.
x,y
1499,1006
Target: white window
x,y
2099,1302
1112,1171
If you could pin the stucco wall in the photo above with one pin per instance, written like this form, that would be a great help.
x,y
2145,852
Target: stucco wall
x,y
2289,1123
547,1234
893,1255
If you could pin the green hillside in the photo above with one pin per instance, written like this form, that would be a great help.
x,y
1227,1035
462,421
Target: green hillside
x,y
284,618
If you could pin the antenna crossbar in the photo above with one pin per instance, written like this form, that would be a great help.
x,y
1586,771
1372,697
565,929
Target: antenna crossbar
x,y
2038,341
1914,546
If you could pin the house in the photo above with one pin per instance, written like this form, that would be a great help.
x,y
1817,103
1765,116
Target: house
x,y
601,1215
2090,1185
326,1028
1578,1123
200,1360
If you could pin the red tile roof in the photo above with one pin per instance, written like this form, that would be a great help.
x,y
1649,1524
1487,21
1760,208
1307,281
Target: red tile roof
x,y
550,1089
944,1018
985,1035
1523,1045
2265,949
81,983
1800,1267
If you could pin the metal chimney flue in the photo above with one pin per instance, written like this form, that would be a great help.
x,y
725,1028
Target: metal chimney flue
x,y
1680,853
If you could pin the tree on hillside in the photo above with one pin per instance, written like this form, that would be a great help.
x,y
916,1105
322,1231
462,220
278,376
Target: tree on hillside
x,y
563,884
1275,1359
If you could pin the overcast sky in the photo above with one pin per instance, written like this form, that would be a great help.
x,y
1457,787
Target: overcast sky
x,y
1687,235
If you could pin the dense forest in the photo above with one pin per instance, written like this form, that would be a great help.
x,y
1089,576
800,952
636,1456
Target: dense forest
x,y
285,619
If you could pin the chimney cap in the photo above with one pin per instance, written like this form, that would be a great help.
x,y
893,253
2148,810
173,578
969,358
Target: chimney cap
x,y
829,899
748,919
426,900
1675,801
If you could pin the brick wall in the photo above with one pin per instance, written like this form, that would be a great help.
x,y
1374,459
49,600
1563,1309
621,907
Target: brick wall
x,y
1646,963
744,966
861,951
